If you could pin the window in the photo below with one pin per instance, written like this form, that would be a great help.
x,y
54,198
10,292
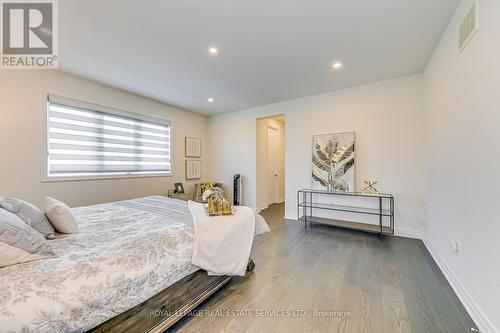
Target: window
x,y
89,141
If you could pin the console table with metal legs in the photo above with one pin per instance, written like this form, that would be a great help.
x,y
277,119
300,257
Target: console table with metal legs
x,y
311,202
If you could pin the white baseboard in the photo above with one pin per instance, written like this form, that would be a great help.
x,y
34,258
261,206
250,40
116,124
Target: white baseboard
x,y
477,315
290,216
409,233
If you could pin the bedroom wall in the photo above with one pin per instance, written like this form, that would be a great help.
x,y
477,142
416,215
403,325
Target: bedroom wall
x,y
387,119
22,146
462,180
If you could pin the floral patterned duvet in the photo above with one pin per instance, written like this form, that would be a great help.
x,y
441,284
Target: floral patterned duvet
x,y
125,253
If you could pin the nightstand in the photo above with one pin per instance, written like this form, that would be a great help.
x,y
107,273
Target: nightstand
x,y
181,196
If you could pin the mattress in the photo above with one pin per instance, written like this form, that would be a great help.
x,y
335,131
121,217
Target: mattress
x,y
125,253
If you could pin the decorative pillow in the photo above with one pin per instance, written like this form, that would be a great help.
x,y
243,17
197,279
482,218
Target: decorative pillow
x,y
60,215
30,214
19,242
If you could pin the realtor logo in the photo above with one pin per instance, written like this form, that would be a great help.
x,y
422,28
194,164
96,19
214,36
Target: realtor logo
x,y
29,34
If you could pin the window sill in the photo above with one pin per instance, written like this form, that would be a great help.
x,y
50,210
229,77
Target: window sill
x,y
102,177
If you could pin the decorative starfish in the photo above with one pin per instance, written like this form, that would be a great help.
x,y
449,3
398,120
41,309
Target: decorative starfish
x,y
370,187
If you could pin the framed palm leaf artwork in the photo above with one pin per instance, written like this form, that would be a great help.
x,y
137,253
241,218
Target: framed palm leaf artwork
x,y
333,162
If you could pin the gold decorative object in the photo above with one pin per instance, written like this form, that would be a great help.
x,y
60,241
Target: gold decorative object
x,y
226,208
211,206
370,189
219,208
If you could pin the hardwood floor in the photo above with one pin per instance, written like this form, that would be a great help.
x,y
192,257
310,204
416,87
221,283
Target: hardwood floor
x,y
358,282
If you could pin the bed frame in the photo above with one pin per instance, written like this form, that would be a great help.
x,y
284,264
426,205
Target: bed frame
x,y
163,310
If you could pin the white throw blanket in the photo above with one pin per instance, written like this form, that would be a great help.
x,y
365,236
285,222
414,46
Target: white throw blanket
x,y
222,244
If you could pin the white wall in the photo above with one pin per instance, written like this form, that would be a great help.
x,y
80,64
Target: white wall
x,y
262,201
387,119
462,154
22,146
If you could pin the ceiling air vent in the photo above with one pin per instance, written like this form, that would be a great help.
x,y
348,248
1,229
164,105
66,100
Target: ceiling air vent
x,y
469,26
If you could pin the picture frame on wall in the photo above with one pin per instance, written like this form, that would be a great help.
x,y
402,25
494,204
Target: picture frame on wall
x,y
333,162
193,169
192,147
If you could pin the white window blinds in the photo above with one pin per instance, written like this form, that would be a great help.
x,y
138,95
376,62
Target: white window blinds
x,y
86,139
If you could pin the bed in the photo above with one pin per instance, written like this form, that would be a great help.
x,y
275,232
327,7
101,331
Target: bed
x,y
130,257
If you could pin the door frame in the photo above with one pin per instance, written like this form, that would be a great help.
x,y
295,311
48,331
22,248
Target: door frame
x,y
261,199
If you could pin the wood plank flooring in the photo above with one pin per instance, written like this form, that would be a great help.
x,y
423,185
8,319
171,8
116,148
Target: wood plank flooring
x,y
326,279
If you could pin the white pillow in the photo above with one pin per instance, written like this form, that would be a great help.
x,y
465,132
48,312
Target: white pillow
x,y
60,216
30,214
19,242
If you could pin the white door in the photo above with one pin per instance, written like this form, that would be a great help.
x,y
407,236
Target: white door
x,y
272,165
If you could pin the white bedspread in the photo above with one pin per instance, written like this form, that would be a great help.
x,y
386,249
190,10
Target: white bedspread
x,y
222,244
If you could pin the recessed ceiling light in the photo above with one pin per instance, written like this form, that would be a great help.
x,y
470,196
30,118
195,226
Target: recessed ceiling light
x,y
212,50
210,100
337,65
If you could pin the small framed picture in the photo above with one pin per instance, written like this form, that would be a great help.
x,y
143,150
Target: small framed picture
x,y
193,147
193,169
179,189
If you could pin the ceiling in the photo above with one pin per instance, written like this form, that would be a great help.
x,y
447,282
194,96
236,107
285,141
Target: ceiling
x,y
268,51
